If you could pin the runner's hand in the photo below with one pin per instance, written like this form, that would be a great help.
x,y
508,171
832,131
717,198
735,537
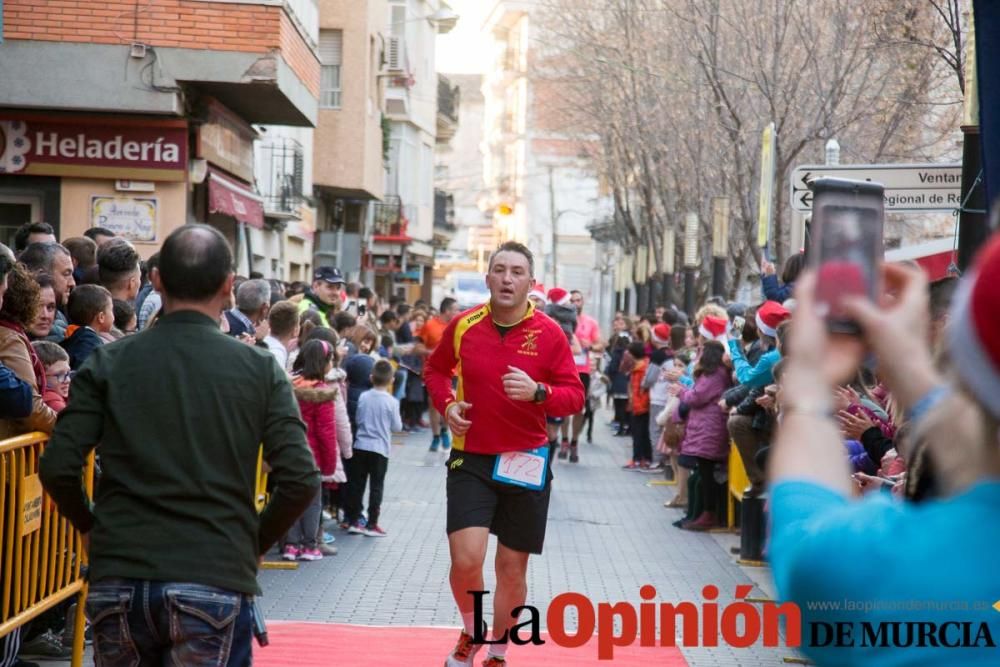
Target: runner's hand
x,y
518,385
455,416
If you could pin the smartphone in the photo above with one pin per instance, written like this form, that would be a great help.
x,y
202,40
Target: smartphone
x,y
847,223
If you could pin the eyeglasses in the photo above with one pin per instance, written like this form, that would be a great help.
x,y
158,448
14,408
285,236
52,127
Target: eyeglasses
x,y
62,377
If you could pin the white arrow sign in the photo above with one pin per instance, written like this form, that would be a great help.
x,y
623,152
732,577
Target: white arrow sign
x,y
908,187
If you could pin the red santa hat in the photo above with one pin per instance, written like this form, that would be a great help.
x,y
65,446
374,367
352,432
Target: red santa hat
x,y
769,316
559,296
537,292
713,328
661,334
974,338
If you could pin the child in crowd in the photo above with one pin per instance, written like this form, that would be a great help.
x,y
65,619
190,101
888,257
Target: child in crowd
x,y
377,417
125,318
57,373
316,403
672,432
642,448
90,310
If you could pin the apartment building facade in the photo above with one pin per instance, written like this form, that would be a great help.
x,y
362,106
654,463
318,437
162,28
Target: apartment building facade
x,y
537,183
141,117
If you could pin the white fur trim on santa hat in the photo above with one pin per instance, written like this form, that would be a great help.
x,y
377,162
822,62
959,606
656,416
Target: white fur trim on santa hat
x,y
709,335
764,329
538,294
972,362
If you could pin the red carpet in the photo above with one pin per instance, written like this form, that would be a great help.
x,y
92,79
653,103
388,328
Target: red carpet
x,y
328,645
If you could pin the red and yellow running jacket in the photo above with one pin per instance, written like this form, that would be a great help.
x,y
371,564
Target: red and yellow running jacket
x,y
472,349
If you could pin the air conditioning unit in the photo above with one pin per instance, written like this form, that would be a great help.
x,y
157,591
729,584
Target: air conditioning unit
x,y
395,57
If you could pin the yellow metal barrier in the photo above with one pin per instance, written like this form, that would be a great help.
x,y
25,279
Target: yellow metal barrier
x,y
738,481
42,555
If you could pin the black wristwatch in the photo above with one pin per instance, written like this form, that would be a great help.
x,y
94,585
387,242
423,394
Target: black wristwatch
x,y
541,393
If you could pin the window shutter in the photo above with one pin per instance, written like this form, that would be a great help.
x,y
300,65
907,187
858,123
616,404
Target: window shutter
x,y
331,47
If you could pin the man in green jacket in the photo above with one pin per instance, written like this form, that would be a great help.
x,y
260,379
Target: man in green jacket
x,y
178,414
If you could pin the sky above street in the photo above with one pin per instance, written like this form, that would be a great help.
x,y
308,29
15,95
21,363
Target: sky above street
x,y
460,51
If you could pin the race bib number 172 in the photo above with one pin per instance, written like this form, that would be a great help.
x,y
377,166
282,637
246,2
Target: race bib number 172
x,y
526,468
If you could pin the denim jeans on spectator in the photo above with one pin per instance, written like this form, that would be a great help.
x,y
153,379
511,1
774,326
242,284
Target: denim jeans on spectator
x,y
139,623
399,384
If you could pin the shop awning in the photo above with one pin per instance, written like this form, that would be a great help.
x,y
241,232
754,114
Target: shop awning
x,y
228,196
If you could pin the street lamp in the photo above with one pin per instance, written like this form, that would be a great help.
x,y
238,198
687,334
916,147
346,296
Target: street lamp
x,y
690,259
720,243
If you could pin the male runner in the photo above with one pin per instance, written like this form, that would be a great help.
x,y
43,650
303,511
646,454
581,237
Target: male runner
x,y
588,333
514,367
431,334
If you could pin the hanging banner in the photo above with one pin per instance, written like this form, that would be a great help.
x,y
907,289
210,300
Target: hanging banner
x,y
765,204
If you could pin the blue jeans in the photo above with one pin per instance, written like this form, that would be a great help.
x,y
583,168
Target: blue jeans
x,y
139,623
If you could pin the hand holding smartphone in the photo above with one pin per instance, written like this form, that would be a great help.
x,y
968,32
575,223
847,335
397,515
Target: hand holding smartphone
x,y
847,227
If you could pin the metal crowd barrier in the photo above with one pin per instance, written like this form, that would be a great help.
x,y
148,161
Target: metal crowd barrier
x,y
42,559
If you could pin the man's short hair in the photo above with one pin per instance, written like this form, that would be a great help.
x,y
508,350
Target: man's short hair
x,y
403,309
519,248
93,232
82,250
388,317
26,230
39,257
253,295
352,288
49,353
395,300
365,293
283,318
85,303
382,373
343,320
117,261
195,261
446,303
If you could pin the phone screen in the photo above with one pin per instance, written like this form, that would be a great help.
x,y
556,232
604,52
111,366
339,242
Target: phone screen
x,y
847,246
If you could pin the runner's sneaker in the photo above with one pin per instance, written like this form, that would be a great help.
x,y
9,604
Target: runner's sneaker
x,y
631,465
446,440
494,661
375,531
291,552
311,554
435,443
573,456
357,529
464,654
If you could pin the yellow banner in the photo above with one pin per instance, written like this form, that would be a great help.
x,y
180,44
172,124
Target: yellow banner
x,y
766,202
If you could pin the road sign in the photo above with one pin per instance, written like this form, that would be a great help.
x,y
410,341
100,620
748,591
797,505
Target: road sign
x,y
766,202
908,187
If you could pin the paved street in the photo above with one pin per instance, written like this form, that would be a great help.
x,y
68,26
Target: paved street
x,y
608,535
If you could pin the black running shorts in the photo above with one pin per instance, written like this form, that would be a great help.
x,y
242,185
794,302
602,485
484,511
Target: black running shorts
x,y
517,516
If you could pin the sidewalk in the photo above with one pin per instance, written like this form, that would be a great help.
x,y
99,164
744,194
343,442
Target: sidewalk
x,y
608,535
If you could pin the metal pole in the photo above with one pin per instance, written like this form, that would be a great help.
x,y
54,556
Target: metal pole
x,y
718,276
973,228
689,291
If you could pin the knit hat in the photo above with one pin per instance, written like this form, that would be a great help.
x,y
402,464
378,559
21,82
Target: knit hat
x,y
713,328
538,292
559,296
769,316
661,334
974,338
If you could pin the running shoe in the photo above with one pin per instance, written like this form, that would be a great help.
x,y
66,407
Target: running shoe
x,y
464,653
328,538
328,550
311,554
358,528
573,456
435,443
631,465
495,661
375,531
291,552
445,440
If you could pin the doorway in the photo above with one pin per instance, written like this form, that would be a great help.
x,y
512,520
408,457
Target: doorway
x,y
15,210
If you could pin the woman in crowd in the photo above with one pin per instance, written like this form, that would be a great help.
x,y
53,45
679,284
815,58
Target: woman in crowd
x,y
41,326
18,311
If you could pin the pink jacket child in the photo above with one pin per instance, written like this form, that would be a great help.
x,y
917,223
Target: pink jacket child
x,y
317,405
706,435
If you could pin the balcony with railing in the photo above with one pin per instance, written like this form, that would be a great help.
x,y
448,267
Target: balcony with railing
x,y
281,175
448,100
390,222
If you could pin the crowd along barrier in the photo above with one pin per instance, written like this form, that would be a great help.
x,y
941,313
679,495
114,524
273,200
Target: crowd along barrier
x,y
42,559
